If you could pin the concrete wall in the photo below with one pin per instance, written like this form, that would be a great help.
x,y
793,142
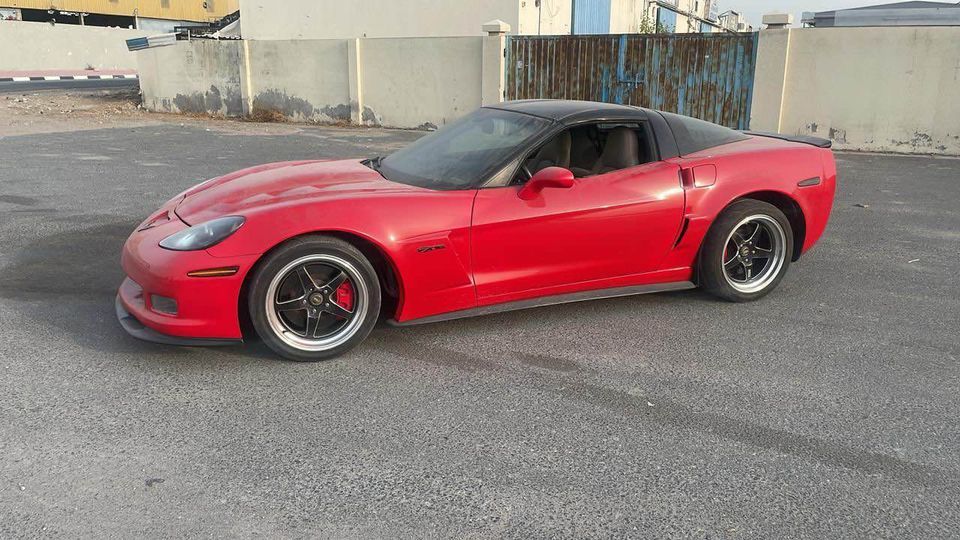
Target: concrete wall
x,y
306,80
194,77
875,89
40,46
402,82
413,82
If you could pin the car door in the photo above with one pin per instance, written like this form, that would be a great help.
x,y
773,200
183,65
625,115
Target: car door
x,y
605,230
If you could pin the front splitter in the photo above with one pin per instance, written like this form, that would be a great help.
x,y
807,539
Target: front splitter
x,y
138,330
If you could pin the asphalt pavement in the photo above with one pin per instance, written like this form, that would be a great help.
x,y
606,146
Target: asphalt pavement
x,y
827,410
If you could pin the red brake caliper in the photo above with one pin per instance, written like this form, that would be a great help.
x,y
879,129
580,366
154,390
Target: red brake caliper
x,y
345,296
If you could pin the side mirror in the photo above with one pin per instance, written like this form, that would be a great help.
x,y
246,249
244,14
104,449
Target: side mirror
x,y
551,177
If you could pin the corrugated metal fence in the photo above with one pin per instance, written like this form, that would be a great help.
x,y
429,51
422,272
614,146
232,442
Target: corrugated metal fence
x,y
707,76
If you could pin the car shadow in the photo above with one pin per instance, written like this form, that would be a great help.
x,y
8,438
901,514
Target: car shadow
x,y
68,281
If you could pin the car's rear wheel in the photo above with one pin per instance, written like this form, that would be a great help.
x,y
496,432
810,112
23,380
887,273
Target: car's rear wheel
x,y
314,298
746,252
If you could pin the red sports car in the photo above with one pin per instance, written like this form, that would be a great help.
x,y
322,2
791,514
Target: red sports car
x,y
516,205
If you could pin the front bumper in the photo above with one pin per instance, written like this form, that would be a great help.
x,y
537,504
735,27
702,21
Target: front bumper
x,y
136,329
207,307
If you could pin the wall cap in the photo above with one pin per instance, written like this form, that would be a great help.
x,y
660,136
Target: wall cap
x,y
496,27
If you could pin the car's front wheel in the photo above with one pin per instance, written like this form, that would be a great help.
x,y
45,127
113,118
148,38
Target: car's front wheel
x,y
314,298
746,252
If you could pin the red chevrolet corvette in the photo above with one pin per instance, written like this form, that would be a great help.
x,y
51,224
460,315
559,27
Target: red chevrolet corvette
x,y
516,205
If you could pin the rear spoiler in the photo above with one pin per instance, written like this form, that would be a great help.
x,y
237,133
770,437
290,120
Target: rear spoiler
x,y
805,139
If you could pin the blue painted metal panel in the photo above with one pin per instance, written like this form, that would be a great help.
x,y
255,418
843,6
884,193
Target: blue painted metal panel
x,y
591,17
667,19
709,76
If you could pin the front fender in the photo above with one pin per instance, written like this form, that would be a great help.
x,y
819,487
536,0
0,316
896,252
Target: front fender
x,y
424,235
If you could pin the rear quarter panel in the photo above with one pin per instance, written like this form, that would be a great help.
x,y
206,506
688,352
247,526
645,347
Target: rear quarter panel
x,y
750,167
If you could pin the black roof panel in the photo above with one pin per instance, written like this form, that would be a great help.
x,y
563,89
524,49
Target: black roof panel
x,y
567,111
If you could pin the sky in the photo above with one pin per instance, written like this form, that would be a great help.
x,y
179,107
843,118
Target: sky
x,y
753,10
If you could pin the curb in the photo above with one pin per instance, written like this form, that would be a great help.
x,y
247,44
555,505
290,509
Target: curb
x,y
67,78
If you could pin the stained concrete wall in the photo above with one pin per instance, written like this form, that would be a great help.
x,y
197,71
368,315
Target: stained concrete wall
x,y
194,77
405,82
305,80
873,89
27,46
419,82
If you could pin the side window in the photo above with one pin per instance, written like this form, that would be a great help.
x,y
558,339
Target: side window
x,y
592,149
694,135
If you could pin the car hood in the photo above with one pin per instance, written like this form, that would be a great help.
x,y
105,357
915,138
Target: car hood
x,y
279,184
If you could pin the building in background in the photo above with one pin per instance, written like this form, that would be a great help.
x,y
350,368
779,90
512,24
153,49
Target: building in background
x,y
733,21
151,15
343,19
645,16
896,14
340,19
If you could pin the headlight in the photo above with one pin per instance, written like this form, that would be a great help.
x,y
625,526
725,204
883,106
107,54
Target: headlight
x,y
203,235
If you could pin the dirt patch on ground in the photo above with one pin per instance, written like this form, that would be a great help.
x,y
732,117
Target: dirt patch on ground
x,y
53,111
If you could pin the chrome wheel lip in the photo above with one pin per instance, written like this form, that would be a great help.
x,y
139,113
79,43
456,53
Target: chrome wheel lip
x,y
771,270
341,336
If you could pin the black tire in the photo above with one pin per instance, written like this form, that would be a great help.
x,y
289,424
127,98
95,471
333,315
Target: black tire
x,y
313,252
742,261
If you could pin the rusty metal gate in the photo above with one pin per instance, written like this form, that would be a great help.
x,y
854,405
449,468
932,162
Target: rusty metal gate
x,y
707,76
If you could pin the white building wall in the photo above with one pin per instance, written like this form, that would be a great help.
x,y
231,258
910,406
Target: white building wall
x,y
552,17
340,19
627,16
687,24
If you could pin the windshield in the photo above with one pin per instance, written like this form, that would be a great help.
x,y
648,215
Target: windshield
x,y
464,152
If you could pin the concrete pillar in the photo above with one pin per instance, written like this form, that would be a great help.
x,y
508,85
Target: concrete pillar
x,y
355,79
246,79
494,60
773,64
